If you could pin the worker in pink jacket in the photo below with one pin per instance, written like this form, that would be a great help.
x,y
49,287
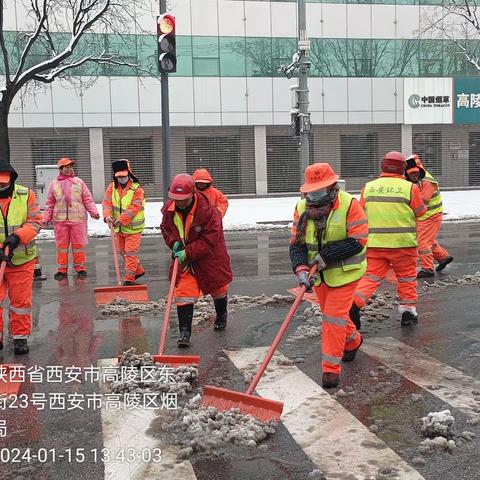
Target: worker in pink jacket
x,y
68,201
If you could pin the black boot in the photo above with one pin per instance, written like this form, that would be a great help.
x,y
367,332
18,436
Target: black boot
x,y
349,355
442,265
330,380
20,346
185,317
408,318
355,316
82,274
425,274
60,276
1,344
221,310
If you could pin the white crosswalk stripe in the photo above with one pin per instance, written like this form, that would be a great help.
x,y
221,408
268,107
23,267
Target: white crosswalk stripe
x,y
455,388
127,429
338,443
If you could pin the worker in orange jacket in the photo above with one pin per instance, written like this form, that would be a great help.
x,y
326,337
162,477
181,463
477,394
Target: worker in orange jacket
x,y
20,223
204,183
124,208
392,205
428,225
330,229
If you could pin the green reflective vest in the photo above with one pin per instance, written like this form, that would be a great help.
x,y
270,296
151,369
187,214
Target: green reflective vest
x,y
434,205
17,215
121,204
344,271
391,221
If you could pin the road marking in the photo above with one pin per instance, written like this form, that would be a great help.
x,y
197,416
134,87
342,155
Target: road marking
x,y
127,429
455,387
339,444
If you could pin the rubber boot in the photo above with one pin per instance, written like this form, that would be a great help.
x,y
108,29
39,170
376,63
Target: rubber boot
x,y
330,380
355,316
408,318
185,317
349,355
221,310
60,276
444,263
425,274
1,344
20,346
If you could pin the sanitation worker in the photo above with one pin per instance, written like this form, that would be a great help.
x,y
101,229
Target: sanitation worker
x,y
204,183
67,204
192,229
392,205
330,229
124,208
428,225
20,223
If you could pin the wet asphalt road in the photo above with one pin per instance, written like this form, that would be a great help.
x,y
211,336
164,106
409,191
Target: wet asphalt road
x,y
66,331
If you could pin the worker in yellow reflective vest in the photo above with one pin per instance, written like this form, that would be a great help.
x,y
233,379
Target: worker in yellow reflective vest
x,y
428,225
124,208
392,205
330,229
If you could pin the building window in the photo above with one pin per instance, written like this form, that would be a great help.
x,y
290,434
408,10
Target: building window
x,y
359,155
206,57
47,151
140,153
428,146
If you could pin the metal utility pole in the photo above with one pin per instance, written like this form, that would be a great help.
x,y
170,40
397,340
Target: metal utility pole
x,y
165,123
303,66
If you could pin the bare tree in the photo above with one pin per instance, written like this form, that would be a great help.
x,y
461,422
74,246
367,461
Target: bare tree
x,y
63,37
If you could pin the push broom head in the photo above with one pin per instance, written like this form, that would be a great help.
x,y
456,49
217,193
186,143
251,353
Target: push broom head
x,y
261,408
133,293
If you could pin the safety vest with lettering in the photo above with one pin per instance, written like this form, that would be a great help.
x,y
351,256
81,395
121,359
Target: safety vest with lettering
x,y
391,221
434,205
17,215
119,205
341,272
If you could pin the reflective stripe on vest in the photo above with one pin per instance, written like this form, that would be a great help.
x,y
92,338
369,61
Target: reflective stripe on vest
x,y
391,221
17,216
434,205
345,271
119,205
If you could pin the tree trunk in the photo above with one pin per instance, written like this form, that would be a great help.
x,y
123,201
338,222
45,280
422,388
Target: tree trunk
x,y
4,140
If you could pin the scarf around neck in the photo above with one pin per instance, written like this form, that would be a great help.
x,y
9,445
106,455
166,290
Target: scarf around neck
x,y
66,182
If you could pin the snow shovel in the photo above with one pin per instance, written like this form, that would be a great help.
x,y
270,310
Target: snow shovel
x,y
172,360
9,378
261,408
132,293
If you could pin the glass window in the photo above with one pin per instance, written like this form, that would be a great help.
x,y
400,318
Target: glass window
x,y
259,56
474,50
383,58
123,47
453,59
206,57
431,58
329,57
232,57
147,55
406,58
184,56
359,54
283,50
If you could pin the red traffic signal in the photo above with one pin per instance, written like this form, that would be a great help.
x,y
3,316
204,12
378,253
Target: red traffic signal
x,y
167,56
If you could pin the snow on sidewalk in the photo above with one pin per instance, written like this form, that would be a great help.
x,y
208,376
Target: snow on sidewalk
x,y
277,212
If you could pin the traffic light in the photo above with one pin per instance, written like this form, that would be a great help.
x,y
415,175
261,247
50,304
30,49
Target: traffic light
x,y
167,51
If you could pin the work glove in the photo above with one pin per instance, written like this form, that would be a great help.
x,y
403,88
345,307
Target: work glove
x,y
96,216
303,280
116,223
319,261
182,256
108,219
177,246
11,242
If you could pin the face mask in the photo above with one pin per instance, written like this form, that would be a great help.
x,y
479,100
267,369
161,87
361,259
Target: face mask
x,y
123,181
316,197
203,187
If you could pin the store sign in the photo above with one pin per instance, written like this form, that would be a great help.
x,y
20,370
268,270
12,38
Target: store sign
x,y
427,100
467,100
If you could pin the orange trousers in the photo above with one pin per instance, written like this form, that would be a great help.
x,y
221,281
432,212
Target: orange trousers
x,y
338,331
404,263
17,283
187,290
128,246
428,247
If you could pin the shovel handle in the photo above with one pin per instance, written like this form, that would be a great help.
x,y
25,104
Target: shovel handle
x,y
280,334
166,317
115,254
3,265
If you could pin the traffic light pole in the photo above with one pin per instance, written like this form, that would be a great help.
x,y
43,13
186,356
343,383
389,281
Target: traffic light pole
x,y
303,90
165,123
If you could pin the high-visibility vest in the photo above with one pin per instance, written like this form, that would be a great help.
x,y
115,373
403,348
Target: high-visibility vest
x,y
121,204
434,205
17,215
342,272
391,221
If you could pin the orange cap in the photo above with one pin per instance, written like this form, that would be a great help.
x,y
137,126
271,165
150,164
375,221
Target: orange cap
x,y
317,176
64,162
4,177
202,175
122,173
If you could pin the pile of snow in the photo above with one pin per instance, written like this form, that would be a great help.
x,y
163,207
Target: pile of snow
x,y
120,306
431,445
206,430
438,424
277,212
